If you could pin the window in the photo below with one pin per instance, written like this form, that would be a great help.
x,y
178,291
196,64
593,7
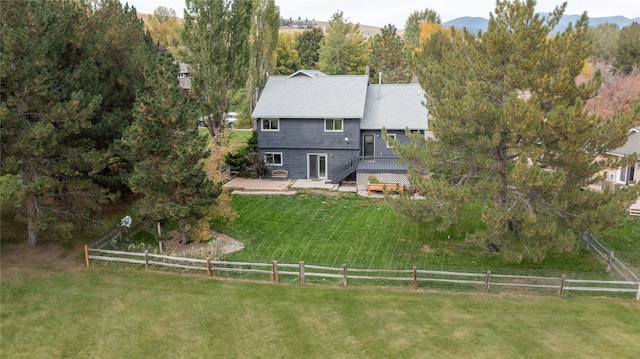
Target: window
x,y
273,158
270,124
390,136
333,125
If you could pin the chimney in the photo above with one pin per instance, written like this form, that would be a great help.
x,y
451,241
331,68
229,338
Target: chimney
x,y
379,85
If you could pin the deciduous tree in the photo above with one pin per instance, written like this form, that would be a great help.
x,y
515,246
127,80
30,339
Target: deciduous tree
x,y
412,27
264,42
515,146
217,35
344,50
288,60
163,25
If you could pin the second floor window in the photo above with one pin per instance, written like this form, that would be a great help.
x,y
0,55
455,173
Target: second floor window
x,y
333,125
270,124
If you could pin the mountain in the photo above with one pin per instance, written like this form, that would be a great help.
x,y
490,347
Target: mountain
x,y
475,24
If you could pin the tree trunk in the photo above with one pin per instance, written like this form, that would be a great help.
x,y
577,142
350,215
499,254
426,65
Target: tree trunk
x,y
32,239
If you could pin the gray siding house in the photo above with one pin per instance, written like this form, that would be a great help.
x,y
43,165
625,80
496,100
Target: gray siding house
x,y
317,126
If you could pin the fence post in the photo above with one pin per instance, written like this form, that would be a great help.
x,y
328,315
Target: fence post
x,y
217,255
561,291
274,271
301,272
209,266
86,254
487,282
160,247
415,278
589,238
146,259
638,294
611,256
344,274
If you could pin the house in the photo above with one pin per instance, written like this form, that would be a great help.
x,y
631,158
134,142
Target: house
x,y
183,78
626,175
316,126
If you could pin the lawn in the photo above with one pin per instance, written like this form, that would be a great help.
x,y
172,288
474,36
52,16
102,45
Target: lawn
x,y
367,233
128,313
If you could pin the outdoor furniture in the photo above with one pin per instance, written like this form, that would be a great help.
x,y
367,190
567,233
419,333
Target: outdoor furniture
x,y
396,187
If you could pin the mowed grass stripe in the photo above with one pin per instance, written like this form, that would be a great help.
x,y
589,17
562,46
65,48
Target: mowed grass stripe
x,y
367,233
115,313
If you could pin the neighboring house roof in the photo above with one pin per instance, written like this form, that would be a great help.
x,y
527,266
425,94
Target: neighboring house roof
x,y
395,107
632,146
312,94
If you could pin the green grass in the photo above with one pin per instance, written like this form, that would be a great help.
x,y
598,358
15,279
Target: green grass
x,y
239,137
367,233
115,313
625,241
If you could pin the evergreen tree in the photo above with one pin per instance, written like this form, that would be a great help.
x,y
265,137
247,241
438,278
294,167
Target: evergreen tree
x,y
412,27
344,50
44,63
388,57
264,42
120,48
217,35
168,153
514,144
308,47
628,48
288,60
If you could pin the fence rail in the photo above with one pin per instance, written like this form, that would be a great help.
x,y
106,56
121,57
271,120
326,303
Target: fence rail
x,y
612,262
301,271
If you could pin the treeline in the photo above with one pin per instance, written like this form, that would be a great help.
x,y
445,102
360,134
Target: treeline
x,y
91,109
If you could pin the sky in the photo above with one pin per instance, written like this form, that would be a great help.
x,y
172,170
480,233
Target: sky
x,y
382,12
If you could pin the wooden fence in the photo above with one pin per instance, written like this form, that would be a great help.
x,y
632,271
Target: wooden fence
x,y
613,263
417,278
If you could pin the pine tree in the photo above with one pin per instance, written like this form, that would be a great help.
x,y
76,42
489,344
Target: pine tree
x,y
628,49
388,57
168,153
45,106
217,35
515,146
344,50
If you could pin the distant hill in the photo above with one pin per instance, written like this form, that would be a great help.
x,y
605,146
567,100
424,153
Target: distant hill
x,y
475,24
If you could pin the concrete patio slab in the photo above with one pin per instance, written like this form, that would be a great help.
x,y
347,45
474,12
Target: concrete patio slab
x,y
257,185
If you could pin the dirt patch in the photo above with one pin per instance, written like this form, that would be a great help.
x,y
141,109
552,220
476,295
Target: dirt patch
x,y
227,245
427,249
48,256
